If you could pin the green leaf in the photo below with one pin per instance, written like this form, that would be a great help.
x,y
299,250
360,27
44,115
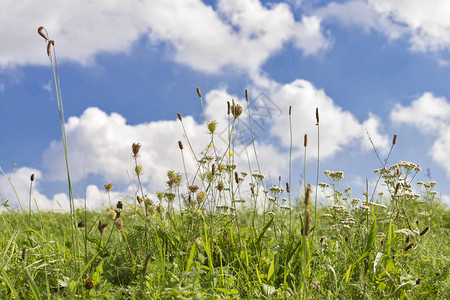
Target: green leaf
x,y
261,234
271,270
191,258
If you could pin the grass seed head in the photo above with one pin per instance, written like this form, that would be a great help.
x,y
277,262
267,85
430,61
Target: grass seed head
x,y
246,95
236,110
41,32
89,285
212,126
193,188
180,145
236,177
317,116
108,186
288,190
308,222
32,177
136,147
49,45
220,186
408,247
305,141
101,226
394,141
119,223
24,254
199,93
308,195
201,196
179,116
424,231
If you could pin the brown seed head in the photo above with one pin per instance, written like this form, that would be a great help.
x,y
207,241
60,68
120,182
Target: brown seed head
x,y
236,110
89,285
213,169
317,116
290,110
119,205
49,44
24,254
32,177
108,186
147,261
394,141
41,33
409,246
308,222
425,231
287,187
220,186
135,148
81,224
236,177
305,141
308,195
179,116
193,188
139,199
119,223
228,107
397,187
199,93
101,226
180,145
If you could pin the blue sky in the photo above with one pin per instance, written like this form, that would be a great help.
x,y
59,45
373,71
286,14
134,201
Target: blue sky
x,y
127,69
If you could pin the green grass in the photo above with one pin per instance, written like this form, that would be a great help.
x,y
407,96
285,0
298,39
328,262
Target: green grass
x,y
233,237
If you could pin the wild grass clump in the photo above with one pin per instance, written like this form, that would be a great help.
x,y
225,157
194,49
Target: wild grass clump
x,y
223,233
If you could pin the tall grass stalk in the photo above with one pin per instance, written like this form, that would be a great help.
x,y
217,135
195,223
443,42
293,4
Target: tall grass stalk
x,y
318,165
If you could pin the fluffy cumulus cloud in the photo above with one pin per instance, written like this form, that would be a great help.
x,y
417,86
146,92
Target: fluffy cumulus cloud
x,y
430,115
425,25
201,36
338,128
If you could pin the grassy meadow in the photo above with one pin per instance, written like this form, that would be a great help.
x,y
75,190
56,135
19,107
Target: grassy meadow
x,y
225,234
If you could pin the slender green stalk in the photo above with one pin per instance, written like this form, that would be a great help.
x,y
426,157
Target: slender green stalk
x,y
290,169
318,165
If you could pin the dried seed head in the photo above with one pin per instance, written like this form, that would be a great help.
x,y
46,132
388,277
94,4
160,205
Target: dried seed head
x,y
24,254
228,107
199,93
89,285
409,246
394,141
305,141
397,187
308,222
179,116
49,44
220,186
138,169
236,177
193,188
213,169
290,110
201,196
147,261
32,177
287,187
246,95
136,147
41,33
119,205
119,223
236,110
212,126
307,195
81,224
101,226
139,199
180,145
425,231
108,186
317,116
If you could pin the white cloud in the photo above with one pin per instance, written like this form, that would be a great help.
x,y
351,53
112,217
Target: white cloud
x,y
338,128
425,24
240,34
430,115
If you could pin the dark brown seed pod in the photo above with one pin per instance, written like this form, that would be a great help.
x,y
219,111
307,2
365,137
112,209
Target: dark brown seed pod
x,y
290,110
41,33
236,177
308,222
425,231
24,254
308,195
101,226
287,187
228,107
305,141
317,116
135,148
199,93
409,247
180,145
394,141
89,285
213,169
81,224
32,177
179,116
246,95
